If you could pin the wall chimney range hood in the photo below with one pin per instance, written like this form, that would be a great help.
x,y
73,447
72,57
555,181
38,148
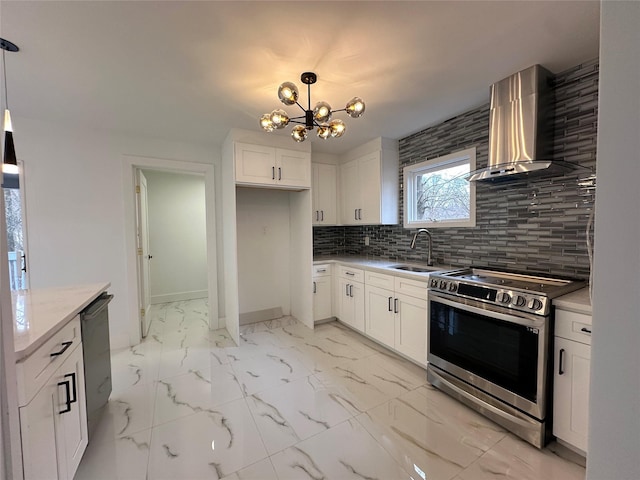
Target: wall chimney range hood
x,y
521,128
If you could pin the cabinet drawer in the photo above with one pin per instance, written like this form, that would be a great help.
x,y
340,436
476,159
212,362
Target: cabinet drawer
x,y
323,270
352,274
34,371
573,326
413,288
381,280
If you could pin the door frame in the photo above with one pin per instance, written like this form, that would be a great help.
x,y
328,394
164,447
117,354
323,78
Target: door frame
x,y
142,240
130,163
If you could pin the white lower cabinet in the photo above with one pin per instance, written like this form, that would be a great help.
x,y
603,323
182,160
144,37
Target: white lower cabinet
x,y
379,314
53,424
397,315
322,297
411,327
572,362
351,303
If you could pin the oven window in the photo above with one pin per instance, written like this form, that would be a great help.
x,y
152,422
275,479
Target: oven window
x,y
501,352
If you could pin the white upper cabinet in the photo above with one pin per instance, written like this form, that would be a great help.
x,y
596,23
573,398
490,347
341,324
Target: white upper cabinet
x,y
325,195
369,189
272,167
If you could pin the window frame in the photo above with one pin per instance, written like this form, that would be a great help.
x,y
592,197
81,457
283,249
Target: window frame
x,y
410,172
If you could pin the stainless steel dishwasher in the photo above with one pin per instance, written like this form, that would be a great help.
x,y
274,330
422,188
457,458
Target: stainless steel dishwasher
x,y
97,358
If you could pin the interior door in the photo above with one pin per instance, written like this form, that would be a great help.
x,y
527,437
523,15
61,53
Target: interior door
x,y
144,256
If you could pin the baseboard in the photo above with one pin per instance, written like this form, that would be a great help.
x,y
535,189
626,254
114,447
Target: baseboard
x,y
260,315
178,297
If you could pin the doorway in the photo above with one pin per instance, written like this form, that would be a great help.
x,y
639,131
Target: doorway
x,y
172,229
143,261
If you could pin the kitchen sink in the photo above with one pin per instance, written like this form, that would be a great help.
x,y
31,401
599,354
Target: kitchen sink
x,y
415,269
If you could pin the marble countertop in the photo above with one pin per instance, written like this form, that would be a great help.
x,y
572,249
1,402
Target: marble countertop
x,y
577,301
39,313
382,265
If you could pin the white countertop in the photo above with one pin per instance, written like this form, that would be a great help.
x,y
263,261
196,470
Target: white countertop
x,y
577,301
382,265
38,314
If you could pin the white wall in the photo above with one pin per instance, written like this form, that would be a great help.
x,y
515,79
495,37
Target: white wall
x,y
614,410
263,232
74,204
177,236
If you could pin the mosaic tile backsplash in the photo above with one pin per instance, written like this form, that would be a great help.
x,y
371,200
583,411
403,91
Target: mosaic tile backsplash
x,y
531,224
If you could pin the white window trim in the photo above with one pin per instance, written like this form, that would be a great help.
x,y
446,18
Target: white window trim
x,y
445,161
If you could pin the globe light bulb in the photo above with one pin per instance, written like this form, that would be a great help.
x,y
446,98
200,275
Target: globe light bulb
x,y
288,93
324,131
337,128
322,112
266,123
299,133
279,118
355,107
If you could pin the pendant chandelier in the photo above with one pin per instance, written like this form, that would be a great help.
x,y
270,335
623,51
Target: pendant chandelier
x,y
9,161
319,117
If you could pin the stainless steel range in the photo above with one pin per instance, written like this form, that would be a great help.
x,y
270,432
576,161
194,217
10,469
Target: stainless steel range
x,y
489,344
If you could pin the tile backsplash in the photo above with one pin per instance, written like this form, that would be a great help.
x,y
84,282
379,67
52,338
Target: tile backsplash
x,y
531,224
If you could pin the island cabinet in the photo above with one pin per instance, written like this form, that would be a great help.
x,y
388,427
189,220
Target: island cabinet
x,y
396,313
572,361
52,406
257,165
369,189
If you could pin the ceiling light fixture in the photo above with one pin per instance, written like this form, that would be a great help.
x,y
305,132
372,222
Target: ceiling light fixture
x,y
9,161
319,117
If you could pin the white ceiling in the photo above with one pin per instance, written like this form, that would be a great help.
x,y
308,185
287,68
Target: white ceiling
x,y
192,70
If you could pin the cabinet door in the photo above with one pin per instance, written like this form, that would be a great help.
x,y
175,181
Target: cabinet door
x,y
379,314
571,392
369,178
350,190
411,328
346,313
357,297
322,298
255,164
38,429
324,194
73,424
293,169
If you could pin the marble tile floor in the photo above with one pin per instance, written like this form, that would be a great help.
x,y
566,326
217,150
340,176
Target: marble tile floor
x,y
290,403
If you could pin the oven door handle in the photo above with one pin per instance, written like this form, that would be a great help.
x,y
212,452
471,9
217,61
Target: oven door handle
x,y
521,319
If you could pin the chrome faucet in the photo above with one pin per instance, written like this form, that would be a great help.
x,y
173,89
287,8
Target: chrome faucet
x,y
413,243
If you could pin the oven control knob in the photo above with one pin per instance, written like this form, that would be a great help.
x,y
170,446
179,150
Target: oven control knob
x,y
535,304
520,301
434,283
504,298
443,284
453,287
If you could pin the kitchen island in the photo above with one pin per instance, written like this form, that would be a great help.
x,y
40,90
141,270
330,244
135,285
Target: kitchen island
x,y
50,377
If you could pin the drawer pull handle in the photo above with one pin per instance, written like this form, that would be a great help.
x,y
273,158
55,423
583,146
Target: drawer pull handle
x,y
349,273
314,287
585,330
561,362
64,349
351,290
390,298
321,270
395,305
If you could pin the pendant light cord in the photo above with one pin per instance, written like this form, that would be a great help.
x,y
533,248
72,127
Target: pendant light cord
x,y
4,74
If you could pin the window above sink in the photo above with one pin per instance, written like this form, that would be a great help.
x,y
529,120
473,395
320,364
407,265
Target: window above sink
x,y
437,193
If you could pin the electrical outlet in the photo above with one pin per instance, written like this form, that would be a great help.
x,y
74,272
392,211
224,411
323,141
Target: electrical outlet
x,y
366,241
